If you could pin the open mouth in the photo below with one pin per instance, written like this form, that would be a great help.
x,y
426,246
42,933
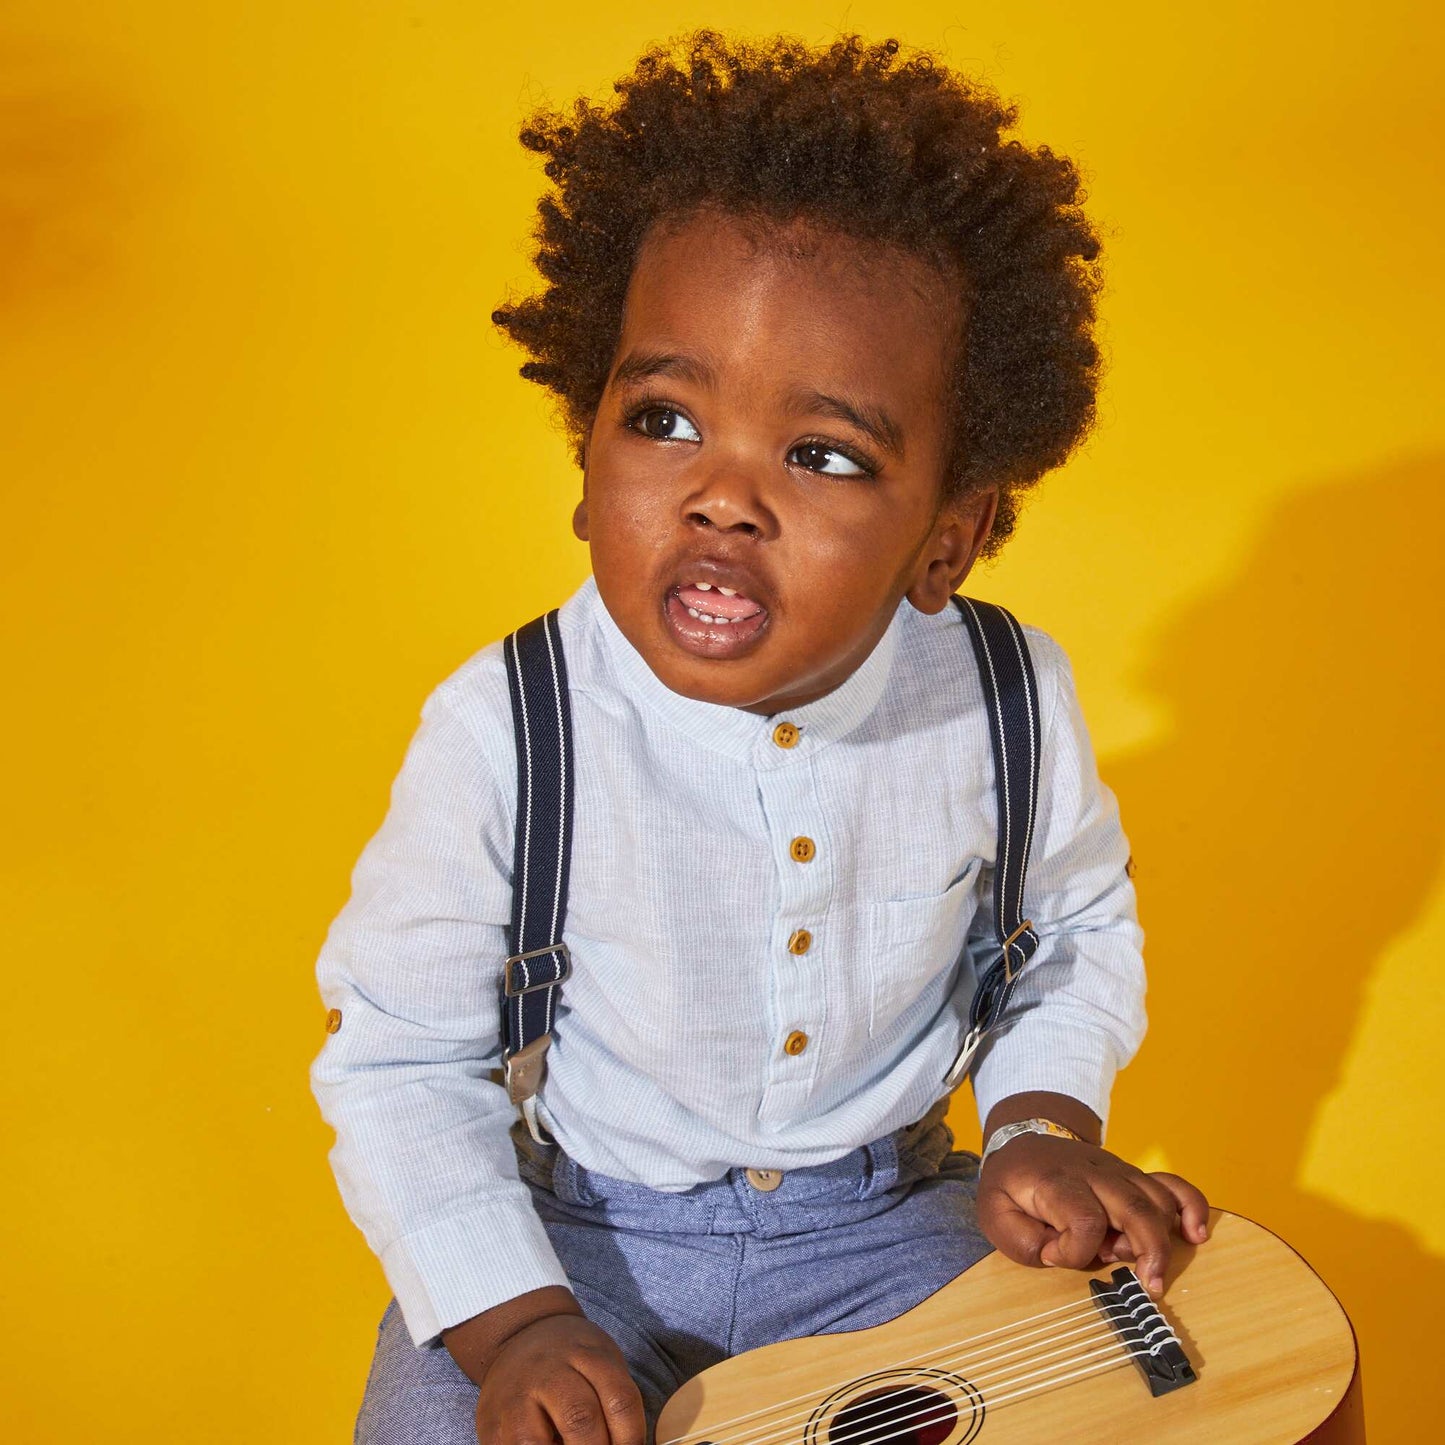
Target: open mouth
x,y
713,621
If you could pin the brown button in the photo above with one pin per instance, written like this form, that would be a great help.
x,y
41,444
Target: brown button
x,y
802,850
1129,867
765,1180
795,1043
333,1020
785,735
801,941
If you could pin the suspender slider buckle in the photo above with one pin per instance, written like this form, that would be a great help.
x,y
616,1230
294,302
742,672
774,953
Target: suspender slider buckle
x,y
1009,971
509,977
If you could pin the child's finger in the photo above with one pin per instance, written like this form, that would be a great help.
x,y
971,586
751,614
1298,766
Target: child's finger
x,y
576,1412
1193,1207
1078,1215
1115,1249
620,1399
525,1420
1012,1230
1144,1224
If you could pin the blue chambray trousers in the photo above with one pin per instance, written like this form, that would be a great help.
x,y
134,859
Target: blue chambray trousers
x,y
682,1281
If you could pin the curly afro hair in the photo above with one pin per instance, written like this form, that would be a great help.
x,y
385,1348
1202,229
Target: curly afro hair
x,y
858,138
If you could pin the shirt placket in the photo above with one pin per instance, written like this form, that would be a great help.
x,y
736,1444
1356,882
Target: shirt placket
x,y
799,945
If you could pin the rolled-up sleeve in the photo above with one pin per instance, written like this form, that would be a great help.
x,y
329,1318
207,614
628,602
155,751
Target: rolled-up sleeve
x,y
412,966
1077,1014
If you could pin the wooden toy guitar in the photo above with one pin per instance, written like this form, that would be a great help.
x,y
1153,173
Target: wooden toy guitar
x,y
1247,1347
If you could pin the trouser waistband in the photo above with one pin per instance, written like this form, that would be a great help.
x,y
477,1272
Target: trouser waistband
x,y
861,1183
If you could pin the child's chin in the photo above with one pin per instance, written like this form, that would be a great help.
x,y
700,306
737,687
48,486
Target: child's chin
x,y
723,682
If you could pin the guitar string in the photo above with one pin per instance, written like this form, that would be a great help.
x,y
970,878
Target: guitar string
x,y
1075,1307
1115,1356
979,1379
1105,1337
1111,1344
977,1367
974,1367
943,1354
1090,1310
1032,1390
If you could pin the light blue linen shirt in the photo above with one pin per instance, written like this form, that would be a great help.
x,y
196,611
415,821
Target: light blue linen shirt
x,y
668,1066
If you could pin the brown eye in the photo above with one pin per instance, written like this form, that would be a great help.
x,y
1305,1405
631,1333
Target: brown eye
x,y
664,425
829,460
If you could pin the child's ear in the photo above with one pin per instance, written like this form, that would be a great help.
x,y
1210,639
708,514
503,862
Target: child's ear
x,y
953,547
579,516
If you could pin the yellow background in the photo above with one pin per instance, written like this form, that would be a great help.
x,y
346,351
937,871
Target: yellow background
x,y
268,476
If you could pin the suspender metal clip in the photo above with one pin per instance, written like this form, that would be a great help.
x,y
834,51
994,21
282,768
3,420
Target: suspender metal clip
x,y
960,1067
996,1000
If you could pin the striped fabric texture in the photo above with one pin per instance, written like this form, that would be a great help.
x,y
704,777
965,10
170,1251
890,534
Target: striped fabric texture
x,y
699,1031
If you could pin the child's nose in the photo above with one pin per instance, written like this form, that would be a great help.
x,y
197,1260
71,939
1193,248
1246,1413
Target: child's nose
x,y
731,498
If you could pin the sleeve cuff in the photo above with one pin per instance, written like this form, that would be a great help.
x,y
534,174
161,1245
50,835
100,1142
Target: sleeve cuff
x,y
459,1267
1049,1056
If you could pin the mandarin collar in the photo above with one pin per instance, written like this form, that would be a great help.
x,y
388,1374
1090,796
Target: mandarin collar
x,y
744,735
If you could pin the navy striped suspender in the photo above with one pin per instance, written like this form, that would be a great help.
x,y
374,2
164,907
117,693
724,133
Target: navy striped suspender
x,y
542,854
1012,698
539,962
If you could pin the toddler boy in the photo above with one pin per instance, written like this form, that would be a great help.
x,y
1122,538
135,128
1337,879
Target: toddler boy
x,y
814,325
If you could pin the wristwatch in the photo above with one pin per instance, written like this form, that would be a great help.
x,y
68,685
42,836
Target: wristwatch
x,y
1000,1137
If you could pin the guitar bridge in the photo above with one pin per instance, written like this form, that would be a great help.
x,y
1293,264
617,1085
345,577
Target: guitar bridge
x,y
1146,1335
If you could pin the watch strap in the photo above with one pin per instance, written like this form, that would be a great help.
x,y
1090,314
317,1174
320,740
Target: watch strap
x,y
1001,1136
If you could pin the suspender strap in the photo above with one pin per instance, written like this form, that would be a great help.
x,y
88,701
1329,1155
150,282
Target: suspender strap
x,y
542,723
539,962
1012,698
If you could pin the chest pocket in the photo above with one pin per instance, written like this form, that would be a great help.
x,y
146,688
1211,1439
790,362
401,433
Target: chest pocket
x,y
913,945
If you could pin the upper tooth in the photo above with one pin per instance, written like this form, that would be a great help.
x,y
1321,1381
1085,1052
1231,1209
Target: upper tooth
x,y
727,592
703,586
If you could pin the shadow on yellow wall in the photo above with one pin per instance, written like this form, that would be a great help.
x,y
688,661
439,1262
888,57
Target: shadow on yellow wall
x,y
1288,831
68,181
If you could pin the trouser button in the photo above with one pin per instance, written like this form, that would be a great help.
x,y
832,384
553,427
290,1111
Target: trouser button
x,y
765,1180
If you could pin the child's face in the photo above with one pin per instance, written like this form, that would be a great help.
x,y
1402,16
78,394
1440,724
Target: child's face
x,y
769,454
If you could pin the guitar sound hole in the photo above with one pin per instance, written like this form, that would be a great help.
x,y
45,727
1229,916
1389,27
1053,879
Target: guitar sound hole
x,y
907,1415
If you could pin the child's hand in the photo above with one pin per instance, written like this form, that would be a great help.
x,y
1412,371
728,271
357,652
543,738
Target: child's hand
x,y
1050,1201
559,1378
546,1373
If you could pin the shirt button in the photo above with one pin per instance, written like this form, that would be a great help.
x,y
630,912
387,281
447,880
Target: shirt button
x,y
785,735
801,941
795,1043
765,1180
802,850
333,1020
